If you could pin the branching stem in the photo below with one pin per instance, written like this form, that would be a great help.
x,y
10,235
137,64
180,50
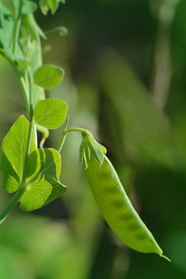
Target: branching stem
x,y
12,203
67,131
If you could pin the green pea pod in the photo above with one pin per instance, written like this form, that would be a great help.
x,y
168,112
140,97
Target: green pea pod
x,y
117,208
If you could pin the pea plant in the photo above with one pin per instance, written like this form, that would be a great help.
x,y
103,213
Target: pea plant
x,y
32,171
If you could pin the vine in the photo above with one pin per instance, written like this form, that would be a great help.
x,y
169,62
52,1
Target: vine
x,y
32,171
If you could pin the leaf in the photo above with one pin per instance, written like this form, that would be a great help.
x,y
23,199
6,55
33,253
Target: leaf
x,y
30,44
45,5
48,76
42,182
32,28
3,9
53,5
6,29
50,113
13,152
28,7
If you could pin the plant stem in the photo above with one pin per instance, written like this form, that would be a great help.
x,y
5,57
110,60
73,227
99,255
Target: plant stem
x,y
11,204
29,133
61,29
16,27
67,131
162,61
21,81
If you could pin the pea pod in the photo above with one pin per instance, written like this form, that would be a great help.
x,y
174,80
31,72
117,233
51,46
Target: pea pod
x,y
117,209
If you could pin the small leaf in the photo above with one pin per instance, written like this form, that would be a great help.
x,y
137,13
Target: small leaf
x,y
42,183
50,113
22,65
103,148
48,76
81,152
45,5
6,30
13,153
87,156
4,9
28,7
32,29
95,148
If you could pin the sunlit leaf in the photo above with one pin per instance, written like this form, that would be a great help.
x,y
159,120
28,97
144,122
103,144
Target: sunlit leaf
x,y
13,153
50,113
48,76
42,182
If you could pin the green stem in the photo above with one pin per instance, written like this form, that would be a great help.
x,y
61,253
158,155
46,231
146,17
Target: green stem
x,y
61,29
63,135
76,129
27,152
162,72
67,131
21,188
23,85
29,133
11,204
17,25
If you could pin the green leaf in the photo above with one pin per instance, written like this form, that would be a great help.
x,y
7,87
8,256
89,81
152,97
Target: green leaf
x,y
50,113
7,24
28,7
45,5
13,153
48,76
42,182
87,156
53,5
32,29
30,44
6,27
4,10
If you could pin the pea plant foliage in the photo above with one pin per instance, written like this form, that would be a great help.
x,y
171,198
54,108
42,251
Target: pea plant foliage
x,y
31,171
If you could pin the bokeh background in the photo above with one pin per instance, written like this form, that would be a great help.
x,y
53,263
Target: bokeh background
x,y
125,65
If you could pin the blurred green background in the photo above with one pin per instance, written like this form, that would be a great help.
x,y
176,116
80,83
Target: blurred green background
x,y
125,64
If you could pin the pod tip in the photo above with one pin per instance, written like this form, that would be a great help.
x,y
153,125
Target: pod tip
x,y
165,257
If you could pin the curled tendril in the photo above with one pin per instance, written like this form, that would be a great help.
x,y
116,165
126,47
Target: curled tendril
x,y
63,31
